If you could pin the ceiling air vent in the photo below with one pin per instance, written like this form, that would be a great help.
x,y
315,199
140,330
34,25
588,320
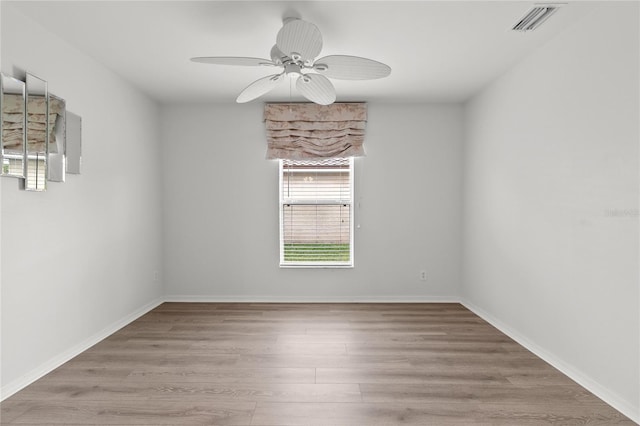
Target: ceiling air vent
x,y
535,17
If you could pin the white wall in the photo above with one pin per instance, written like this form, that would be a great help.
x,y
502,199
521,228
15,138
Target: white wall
x,y
79,259
551,203
221,208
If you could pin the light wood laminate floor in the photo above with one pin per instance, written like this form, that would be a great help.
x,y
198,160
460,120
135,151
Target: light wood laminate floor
x,y
307,364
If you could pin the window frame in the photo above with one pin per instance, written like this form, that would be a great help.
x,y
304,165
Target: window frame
x,y
282,203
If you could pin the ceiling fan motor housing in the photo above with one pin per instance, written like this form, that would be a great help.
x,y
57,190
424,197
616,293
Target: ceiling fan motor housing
x,y
292,68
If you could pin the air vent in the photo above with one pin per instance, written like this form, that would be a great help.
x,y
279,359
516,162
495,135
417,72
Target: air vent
x,y
535,17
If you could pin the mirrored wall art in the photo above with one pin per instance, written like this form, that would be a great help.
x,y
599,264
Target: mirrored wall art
x,y
40,141
74,142
12,127
37,134
57,139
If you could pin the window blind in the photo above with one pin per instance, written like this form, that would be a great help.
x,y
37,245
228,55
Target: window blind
x,y
316,212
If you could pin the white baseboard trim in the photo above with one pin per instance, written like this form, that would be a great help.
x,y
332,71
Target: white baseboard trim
x,y
579,377
52,364
311,299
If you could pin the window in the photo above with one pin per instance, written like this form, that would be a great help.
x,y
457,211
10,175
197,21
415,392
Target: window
x,y
316,213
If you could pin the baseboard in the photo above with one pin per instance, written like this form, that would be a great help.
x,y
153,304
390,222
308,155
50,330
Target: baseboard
x,y
52,364
579,377
311,299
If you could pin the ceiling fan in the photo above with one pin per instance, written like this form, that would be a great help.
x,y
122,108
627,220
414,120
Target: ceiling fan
x,y
297,44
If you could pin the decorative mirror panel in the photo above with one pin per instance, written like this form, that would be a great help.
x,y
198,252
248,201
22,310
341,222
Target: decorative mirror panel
x,y
12,127
37,134
57,139
74,142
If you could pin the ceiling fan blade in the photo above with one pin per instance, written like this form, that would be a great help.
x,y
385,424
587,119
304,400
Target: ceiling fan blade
x,y
259,88
317,88
298,37
344,67
276,55
233,60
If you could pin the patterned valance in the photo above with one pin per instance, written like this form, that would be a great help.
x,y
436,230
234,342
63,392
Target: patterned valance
x,y
300,131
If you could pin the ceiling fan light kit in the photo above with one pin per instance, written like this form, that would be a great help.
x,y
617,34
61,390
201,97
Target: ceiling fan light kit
x,y
297,44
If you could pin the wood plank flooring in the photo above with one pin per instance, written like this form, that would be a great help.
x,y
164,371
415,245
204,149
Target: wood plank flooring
x,y
307,364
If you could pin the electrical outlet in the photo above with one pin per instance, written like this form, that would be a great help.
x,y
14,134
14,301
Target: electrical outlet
x,y
423,275
156,276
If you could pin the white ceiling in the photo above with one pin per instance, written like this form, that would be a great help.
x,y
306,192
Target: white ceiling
x,y
439,51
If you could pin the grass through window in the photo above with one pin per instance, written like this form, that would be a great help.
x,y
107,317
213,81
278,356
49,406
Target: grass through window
x,y
316,252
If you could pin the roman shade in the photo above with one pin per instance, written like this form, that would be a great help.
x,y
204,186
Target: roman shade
x,y
303,131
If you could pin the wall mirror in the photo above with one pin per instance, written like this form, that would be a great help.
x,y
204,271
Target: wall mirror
x,y
57,139
12,127
74,142
37,134
40,141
